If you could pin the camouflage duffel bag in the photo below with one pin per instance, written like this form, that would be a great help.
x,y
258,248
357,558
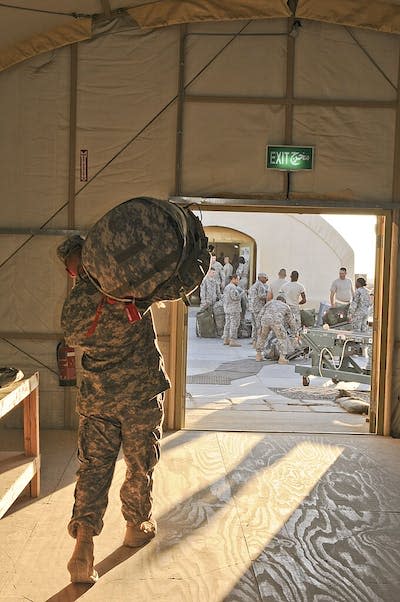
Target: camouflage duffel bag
x,y
205,325
147,249
336,315
219,318
307,317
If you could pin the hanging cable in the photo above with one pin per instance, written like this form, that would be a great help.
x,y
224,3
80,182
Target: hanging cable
x,y
165,107
29,355
47,12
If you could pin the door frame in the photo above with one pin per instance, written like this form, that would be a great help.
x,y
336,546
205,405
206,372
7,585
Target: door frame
x,y
387,239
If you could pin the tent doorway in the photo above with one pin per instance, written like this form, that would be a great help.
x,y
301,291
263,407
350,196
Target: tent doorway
x,y
311,414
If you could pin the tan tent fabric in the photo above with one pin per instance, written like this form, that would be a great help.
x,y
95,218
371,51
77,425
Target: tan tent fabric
x,y
382,16
173,12
343,102
69,33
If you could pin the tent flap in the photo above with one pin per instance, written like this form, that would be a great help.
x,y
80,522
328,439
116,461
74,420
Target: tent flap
x,y
174,12
381,16
69,33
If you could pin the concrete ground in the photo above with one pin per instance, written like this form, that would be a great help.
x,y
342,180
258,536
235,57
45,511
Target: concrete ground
x,y
228,390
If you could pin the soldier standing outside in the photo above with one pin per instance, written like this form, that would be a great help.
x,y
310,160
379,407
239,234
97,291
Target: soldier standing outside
x,y
209,290
120,403
219,275
360,307
277,284
276,316
228,270
342,291
295,295
243,273
232,309
257,298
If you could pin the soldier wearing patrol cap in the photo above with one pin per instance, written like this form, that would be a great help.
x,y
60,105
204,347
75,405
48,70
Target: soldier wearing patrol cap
x,y
120,402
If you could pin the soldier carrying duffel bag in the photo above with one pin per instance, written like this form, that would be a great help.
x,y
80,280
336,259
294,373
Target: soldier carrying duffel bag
x,y
141,251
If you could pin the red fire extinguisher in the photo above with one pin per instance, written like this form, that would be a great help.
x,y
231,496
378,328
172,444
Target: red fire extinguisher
x,y
66,365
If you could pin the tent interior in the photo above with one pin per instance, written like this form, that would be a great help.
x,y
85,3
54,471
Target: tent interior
x,y
107,100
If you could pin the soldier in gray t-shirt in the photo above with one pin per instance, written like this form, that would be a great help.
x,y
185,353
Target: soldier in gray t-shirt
x,y
342,291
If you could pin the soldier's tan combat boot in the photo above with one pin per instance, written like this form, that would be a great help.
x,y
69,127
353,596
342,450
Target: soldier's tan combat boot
x,y
234,343
138,535
259,356
80,565
226,341
282,360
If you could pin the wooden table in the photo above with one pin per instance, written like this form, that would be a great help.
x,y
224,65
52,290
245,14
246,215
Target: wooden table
x,y
21,469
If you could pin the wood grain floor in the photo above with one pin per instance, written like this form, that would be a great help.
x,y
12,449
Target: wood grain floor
x,y
242,517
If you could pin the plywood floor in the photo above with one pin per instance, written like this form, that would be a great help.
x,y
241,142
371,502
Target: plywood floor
x,y
243,517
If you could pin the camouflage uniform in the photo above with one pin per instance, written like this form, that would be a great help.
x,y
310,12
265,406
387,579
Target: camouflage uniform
x,y
219,274
276,316
359,310
257,299
209,292
227,272
120,402
232,308
243,273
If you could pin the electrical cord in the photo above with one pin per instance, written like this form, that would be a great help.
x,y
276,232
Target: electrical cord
x,y
328,351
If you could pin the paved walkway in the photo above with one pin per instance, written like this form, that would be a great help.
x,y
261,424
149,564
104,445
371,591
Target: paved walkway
x,y
223,380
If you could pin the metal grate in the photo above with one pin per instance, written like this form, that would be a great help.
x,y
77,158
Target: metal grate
x,y
209,378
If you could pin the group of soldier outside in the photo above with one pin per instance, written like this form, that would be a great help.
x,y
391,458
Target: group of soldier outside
x,y
274,307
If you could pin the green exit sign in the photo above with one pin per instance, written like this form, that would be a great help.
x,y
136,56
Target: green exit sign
x,y
290,158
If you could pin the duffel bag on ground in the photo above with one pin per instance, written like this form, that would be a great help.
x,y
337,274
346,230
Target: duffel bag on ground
x,y
205,325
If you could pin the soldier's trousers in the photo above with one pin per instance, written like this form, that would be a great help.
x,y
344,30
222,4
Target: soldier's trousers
x,y
280,333
359,322
136,427
297,315
255,324
232,323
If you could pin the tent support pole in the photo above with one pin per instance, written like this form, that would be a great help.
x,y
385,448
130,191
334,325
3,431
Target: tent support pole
x,y
180,110
70,416
392,344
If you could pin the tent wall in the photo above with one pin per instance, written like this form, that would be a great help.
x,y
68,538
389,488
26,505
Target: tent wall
x,y
161,113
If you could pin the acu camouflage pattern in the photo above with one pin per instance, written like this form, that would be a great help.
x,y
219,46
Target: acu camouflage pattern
x,y
120,359
148,249
69,245
122,374
243,272
359,310
257,299
209,291
232,307
138,427
277,317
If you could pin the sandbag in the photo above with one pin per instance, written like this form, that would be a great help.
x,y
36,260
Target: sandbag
x,y
148,249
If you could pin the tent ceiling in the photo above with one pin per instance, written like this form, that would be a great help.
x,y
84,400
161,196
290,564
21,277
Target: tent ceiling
x,y
37,26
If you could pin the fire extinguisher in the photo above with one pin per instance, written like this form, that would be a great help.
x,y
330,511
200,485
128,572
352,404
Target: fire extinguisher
x,y
66,365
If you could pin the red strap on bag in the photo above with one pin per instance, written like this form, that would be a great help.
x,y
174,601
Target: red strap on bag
x,y
96,317
131,311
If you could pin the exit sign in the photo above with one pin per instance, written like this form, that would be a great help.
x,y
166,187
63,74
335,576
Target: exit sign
x,y
290,158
